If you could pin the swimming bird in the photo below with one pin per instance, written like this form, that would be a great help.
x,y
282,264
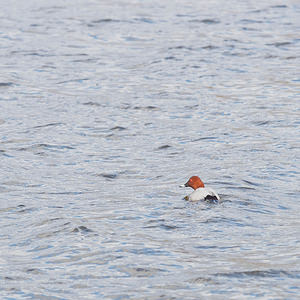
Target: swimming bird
x,y
200,191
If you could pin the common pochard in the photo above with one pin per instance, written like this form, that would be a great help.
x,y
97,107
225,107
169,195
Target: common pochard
x,y
200,191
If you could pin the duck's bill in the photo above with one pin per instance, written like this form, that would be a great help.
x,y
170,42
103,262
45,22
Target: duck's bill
x,y
184,185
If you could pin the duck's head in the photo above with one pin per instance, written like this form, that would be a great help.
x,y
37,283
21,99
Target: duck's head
x,y
194,182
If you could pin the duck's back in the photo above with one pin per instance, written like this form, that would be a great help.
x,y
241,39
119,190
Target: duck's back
x,y
204,194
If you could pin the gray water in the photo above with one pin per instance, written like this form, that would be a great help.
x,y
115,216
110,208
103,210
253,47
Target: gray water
x,y
106,107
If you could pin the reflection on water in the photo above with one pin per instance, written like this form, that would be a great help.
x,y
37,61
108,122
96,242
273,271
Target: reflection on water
x,y
107,107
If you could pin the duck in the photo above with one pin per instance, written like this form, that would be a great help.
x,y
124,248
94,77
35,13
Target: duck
x,y
200,191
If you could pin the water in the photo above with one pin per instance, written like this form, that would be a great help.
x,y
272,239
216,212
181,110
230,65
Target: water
x,y
106,107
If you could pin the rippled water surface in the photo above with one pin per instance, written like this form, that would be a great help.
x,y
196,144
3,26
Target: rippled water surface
x,y
106,107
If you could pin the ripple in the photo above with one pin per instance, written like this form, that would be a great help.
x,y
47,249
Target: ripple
x,y
48,125
45,147
109,175
250,21
208,138
206,21
163,147
146,108
210,47
279,6
73,80
131,271
118,128
261,273
82,229
91,103
280,44
5,84
108,20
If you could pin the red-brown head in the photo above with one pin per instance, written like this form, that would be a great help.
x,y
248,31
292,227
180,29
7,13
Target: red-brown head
x,y
195,182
